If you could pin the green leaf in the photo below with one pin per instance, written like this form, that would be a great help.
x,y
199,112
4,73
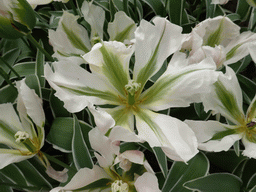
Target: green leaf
x,y
10,57
251,183
80,152
181,172
247,85
156,6
210,9
23,69
161,159
57,106
61,133
225,160
32,175
234,17
175,11
248,171
101,183
243,9
215,182
8,94
112,9
236,147
39,67
253,189
32,82
13,172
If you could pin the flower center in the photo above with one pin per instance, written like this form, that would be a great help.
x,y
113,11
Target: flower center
x,y
23,137
132,87
250,130
119,186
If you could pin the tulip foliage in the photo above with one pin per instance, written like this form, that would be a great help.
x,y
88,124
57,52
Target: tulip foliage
x,y
127,95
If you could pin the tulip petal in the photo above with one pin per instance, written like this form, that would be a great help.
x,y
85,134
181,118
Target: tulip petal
x,y
102,119
76,87
29,104
154,43
239,47
180,85
82,178
147,182
110,60
250,148
122,116
223,136
70,41
175,137
9,126
9,156
122,28
104,146
226,98
95,16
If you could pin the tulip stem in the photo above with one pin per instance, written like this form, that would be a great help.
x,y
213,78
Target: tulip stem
x,y
73,7
53,159
10,67
37,45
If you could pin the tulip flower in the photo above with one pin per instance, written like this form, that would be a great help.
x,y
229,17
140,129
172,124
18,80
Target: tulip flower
x,y
22,135
220,39
71,40
127,171
17,18
110,83
226,99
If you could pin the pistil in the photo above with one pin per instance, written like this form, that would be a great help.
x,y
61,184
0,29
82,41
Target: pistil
x,y
23,137
132,87
119,186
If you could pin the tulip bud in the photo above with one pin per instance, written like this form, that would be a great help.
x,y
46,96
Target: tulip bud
x,y
17,18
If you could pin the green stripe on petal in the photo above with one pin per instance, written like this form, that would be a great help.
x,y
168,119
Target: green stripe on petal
x,y
9,156
251,111
180,85
74,39
111,61
123,117
229,102
87,91
122,28
175,137
154,43
216,37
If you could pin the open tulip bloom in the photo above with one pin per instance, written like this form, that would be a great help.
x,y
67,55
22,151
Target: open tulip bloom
x,y
109,83
220,39
71,40
23,135
226,99
120,172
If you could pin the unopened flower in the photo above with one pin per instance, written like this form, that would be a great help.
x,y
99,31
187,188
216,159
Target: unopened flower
x,y
17,18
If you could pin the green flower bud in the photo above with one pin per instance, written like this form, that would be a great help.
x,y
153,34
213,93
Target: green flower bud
x,y
17,18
